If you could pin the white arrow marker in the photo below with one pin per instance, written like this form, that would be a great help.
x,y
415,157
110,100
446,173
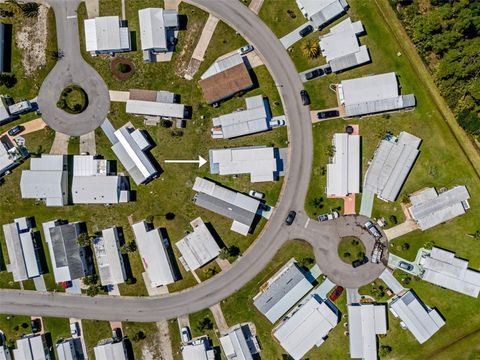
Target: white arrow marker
x,y
201,161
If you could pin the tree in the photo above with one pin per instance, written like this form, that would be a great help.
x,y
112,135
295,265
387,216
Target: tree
x,y
149,219
90,280
330,150
29,9
93,290
170,216
211,271
469,121
405,246
205,324
384,350
310,49
393,219
124,68
139,335
129,247
83,240
224,253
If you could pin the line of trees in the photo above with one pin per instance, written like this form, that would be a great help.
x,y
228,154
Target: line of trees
x,y
446,34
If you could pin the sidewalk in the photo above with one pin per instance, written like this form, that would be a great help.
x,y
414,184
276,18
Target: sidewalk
x,y
256,5
60,144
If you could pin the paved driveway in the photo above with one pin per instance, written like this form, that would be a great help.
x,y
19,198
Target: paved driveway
x,y
72,69
294,36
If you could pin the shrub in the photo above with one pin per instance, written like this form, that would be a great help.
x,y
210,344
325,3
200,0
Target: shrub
x,y
124,68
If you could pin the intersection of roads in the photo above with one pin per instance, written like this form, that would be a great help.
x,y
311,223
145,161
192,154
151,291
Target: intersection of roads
x,y
323,236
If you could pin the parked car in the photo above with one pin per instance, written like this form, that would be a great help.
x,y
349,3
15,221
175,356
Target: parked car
x,y
305,97
372,229
290,218
314,74
328,70
277,123
16,130
74,329
185,333
360,262
36,325
66,284
117,334
405,266
327,114
329,216
336,293
256,194
306,30
245,50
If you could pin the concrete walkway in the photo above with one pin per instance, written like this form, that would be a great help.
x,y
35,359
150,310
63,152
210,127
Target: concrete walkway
x,y
401,229
256,5
60,144
366,205
199,52
93,8
353,296
39,283
219,318
119,96
88,143
172,4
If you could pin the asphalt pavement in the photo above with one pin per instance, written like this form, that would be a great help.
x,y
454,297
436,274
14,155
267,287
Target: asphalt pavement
x,y
272,237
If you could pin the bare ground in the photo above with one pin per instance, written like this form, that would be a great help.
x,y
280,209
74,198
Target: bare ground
x,y
31,38
183,59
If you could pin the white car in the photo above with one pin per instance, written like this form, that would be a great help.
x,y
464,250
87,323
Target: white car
x,y
185,333
74,329
277,123
256,194
246,49
330,216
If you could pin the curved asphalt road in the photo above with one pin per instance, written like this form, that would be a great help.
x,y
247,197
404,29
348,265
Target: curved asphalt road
x,y
323,236
71,68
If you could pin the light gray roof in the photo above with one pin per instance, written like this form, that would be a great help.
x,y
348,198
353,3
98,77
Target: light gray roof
x,y
4,114
153,27
31,347
391,164
222,65
236,206
239,123
66,350
111,350
109,258
259,161
373,94
430,208
365,321
442,268
422,321
132,157
235,346
67,251
322,11
198,247
22,250
283,290
155,108
96,189
105,34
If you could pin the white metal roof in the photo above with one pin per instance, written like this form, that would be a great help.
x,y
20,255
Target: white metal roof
x,y
238,123
96,189
153,27
370,88
66,350
222,65
430,208
132,157
391,164
199,349
321,11
442,268
153,252
343,173
110,351
422,321
235,345
109,258
341,40
21,251
282,291
31,347
104,34
5,353
258,161
198,247
87,165
155,108
365,321
306,328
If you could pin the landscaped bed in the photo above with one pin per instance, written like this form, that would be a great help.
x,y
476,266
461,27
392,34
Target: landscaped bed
x,y
73,100
122,68
351,249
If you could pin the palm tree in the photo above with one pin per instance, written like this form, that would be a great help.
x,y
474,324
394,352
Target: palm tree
x,y
29,9
310,49
12,6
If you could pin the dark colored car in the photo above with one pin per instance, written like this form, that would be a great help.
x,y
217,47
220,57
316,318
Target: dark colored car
x,y
306,30
405,266
290,217
358,263
117,334
36,325
327,70
305,97
336,293
327,114
16,130
314,74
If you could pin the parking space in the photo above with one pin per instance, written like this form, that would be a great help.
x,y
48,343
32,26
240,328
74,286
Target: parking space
x,y
315,118
321,67
416,270
39,283
77,324
294,36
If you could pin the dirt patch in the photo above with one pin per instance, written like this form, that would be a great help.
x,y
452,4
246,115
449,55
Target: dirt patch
x,y
31,38
191,39
122,68
161,347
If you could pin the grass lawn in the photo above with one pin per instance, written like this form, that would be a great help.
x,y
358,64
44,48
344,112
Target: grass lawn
x,y
73,100
93,332
282,16
351,249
